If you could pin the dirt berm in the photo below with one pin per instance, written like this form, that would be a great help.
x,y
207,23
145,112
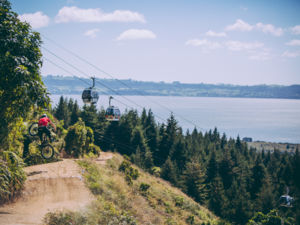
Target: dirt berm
x,y
48,187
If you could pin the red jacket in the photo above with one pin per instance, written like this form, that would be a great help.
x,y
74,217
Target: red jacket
x,y
43,122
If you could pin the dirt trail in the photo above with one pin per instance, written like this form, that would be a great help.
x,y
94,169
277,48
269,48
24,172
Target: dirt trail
x,y
49,187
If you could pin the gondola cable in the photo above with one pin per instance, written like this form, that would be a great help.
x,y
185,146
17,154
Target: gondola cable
x,y
83,73
123,83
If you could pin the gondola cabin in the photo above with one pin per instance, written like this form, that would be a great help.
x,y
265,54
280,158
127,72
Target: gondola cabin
x,y
286,201
90,95
112,113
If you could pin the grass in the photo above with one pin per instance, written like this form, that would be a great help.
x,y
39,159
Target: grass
x,y
147,200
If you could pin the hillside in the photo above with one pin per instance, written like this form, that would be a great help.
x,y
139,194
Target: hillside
x,y
72,85
58,188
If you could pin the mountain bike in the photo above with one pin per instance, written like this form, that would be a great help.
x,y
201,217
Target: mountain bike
x,y
46,149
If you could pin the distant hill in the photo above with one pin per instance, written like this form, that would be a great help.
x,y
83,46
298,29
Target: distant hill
x,y
72,85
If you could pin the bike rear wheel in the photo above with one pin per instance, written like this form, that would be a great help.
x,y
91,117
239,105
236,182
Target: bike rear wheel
x,y
47,151
33,129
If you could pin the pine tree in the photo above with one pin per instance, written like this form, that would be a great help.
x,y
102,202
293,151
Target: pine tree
x,y
89,116
192,180
151,133
258,176
144,118
61,112
75,112
216,196
168,171
148,162
226,170
212,168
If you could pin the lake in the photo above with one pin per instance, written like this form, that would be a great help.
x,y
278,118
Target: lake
x,y
274,120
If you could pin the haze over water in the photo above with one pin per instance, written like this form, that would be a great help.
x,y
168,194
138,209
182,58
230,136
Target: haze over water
x,y
276,120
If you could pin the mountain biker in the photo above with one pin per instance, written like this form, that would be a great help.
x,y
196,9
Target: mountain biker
x,y
42,127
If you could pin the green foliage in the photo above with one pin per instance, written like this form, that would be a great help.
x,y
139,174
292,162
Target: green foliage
x,y
193,180
64,217
144,188
272,218
93,177
130,172
61,112
94,149
78,140
20,59
220,173
12,176
156,171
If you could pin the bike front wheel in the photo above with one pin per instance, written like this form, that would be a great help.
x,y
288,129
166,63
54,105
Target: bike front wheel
x,y
33,129
47,151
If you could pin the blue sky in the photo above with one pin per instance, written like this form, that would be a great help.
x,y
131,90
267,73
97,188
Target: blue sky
x,y
238,42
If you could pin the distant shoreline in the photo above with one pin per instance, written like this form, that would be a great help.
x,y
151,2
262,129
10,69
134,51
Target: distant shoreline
x,y
272,146
61,85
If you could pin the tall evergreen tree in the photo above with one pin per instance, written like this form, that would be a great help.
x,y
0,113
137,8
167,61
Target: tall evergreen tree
x,y
193,179
258,176
89,116
168,171
61,112
75,112
212,168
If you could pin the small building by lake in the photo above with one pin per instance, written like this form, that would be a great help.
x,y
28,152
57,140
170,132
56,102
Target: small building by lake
x,y
247,139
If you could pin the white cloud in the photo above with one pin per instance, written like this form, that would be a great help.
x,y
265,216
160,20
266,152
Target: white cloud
x,y
239,25
261,55
36,20
134,34
204,43
75,14
289,54
211,33
92,33
293,43
296,29
269,28
242,46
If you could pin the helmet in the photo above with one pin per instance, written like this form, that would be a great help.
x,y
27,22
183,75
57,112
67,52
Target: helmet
x,y
44,115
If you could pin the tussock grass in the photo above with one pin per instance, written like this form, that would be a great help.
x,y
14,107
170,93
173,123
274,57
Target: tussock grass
x,y
147,200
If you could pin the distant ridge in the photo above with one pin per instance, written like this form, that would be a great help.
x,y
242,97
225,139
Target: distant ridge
x,y
72,85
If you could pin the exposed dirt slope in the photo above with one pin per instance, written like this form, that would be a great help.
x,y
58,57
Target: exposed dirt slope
x,y
48,187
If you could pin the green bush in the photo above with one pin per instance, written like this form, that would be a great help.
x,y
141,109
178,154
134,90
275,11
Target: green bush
x,y
144,187
156,171
179,201
130,172
12,176
78,139
64,217
94,149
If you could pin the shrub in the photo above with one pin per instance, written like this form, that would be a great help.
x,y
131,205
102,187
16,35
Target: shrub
x,y
130,172
12,177
78,139
179,201
190,219
64,217
94,149
156,171
144,188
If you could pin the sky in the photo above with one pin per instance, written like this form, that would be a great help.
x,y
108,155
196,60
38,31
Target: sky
x,y
191,41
